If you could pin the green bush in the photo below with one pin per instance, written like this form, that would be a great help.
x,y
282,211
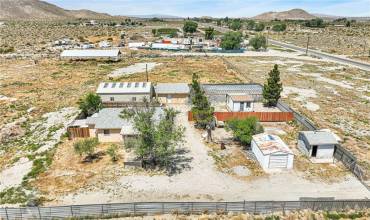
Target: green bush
x,y
86,146
231,41
13,195
258,42
190,26
112,152
244,129
279,27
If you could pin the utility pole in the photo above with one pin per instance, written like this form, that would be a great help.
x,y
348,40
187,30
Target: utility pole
x,y
146,70
308,42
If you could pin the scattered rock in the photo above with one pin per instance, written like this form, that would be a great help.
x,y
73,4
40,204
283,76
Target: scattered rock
x,y
12,130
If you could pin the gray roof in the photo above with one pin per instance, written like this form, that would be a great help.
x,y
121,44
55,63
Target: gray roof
x,y
172,88
223,89
109,118
320,137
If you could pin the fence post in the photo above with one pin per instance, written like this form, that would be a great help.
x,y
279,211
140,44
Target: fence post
x,y
134,208
255,207
162,207
38,209
343,205
226,207
284,203
192,208
6,213
72,210
244,207
20,211
313,205
102,210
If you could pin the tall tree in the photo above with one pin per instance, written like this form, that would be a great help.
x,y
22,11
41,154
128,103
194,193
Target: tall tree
x,y
258,42
190,26
231,41
157,138
209,33
90,103
273,87
235,25
202,109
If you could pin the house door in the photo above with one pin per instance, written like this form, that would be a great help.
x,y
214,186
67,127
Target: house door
x,y
242,106
314,151
169,98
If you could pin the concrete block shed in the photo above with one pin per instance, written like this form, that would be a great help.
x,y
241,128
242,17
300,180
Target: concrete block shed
x,y
318,145
271,152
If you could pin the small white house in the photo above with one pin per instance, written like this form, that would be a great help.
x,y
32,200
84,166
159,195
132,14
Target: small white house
x,y
239,103
318,145
271,152
92,54
116,93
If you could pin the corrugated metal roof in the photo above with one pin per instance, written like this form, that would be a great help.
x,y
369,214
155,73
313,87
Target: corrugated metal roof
x,y
242,98
220,89
124,87
172,88
90,53
320,137
109,118
270,144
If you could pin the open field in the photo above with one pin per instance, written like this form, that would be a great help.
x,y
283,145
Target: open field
x,y
39,99
322,91
353,42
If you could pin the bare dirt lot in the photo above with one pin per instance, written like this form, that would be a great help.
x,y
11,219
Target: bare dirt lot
x,y
199,178
332,95
351,41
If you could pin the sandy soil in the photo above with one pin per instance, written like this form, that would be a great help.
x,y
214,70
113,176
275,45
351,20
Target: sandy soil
x,y
198,179
135,68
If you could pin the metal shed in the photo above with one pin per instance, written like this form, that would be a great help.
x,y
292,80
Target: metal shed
x,y
271,152
92,54
217,93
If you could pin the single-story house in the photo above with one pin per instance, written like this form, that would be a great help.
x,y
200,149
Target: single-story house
x,y
271,152
92,54
121,93
172,93
239,103
318,145
108,126
217,93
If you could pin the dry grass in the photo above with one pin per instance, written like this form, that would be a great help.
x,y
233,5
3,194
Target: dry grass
x,y
344,110
69,173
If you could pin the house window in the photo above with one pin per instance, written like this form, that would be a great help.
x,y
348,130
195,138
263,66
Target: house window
x,y
134,99
106,132
248,104
112,99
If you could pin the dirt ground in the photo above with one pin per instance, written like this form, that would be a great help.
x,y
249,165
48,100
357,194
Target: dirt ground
x,y
351,41
322,91
198,178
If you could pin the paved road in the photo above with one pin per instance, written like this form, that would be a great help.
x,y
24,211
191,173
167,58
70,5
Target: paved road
x,y
320,54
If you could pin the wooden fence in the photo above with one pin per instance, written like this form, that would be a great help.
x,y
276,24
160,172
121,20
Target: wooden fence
x,y
262,116
154,208
78,133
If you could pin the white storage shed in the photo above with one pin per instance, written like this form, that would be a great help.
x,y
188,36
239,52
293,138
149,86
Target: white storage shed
x,y
271,152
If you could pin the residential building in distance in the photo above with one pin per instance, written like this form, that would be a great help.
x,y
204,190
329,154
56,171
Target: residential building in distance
x,y
116,94
239,103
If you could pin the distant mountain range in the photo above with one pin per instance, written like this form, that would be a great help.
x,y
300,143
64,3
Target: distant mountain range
x,y
161,16
333,17
294,14
35,9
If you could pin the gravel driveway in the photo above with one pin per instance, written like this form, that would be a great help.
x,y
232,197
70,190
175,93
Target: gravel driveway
x,y
201,181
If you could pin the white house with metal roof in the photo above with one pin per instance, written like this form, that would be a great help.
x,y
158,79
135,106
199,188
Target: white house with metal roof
x,y
91,54
172,93
318,145
124,92
271,152
239,102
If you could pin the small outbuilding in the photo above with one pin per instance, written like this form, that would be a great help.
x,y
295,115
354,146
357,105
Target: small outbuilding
x,y
239,103
318,145
271,152
92,54
172,93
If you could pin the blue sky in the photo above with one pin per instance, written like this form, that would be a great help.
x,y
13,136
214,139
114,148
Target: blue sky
x,y
217,8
